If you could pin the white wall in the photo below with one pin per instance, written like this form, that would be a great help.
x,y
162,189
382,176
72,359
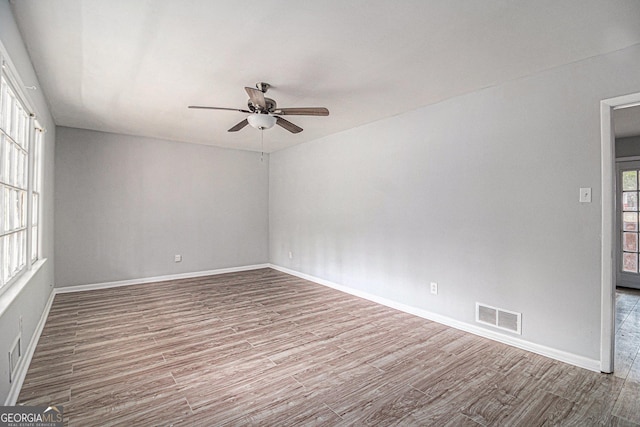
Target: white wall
x,y
478,193
126,205
30,302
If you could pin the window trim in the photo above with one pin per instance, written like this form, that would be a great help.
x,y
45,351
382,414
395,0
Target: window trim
x,y
14,287
31,266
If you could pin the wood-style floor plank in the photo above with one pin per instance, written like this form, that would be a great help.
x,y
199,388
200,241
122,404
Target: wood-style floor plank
x,y
265,348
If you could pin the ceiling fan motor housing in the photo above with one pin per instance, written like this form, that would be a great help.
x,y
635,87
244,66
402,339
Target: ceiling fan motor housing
x,y
271,105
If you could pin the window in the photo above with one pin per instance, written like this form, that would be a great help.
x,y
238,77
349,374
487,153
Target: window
x,y
35,191
20,148
630,221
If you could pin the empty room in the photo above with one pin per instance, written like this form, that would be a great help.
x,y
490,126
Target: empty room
x,y
330,213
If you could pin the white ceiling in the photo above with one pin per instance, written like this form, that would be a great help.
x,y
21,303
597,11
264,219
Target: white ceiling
x,y
133,66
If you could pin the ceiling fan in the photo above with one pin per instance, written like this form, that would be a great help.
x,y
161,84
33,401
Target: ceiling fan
x,y
264,112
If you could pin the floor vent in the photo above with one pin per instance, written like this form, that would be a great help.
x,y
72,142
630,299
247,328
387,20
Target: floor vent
x,y
499,318
14,358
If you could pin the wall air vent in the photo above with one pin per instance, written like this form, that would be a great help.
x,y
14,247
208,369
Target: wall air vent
x,y
499,318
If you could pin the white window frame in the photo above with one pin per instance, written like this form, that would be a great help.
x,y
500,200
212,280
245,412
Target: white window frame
x,y
35,198
32,142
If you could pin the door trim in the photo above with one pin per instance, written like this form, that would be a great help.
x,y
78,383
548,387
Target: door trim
x,y
607,147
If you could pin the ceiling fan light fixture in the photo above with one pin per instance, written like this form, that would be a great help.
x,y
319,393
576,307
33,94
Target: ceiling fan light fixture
x,y
261,121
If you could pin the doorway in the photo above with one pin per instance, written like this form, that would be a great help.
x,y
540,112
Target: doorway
x,y
611,241
627,229
627,250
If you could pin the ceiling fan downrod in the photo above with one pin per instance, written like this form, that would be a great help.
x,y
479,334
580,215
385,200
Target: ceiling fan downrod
x,y
263,87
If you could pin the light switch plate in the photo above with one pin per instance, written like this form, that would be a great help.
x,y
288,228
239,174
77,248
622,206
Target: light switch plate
x,y
585,195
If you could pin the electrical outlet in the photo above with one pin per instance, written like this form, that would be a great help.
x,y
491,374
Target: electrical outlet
x,y
434,288
177,258
290,255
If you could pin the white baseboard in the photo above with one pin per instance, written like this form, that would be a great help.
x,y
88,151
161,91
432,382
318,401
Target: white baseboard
x,y
105,285
23,367
560,355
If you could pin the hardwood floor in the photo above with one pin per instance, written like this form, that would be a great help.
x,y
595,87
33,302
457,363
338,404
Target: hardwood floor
x,y
265,348
627,361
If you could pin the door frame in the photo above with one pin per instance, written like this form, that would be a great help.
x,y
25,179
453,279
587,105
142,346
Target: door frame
x,y
607,147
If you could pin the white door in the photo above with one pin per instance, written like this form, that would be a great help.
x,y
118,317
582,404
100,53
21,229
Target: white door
x,y
628,246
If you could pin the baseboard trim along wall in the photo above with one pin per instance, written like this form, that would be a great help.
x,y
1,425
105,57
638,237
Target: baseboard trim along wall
x,y
562,356
23,367
573,359
106,285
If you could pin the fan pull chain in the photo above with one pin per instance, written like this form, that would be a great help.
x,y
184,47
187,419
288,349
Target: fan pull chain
x,y
262,145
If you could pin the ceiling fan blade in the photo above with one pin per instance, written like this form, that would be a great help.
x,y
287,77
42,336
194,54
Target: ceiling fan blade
x,y
303,111
257,97
219,108
288,125
239,126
